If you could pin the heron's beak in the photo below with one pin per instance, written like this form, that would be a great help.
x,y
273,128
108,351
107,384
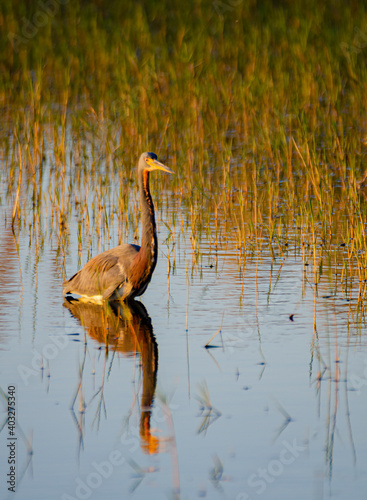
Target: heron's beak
x,y
157,165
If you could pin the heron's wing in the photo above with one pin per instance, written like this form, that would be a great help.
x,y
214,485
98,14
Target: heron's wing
x,y
103,274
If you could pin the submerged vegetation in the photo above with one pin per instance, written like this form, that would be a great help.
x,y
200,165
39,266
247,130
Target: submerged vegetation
x,y
260,108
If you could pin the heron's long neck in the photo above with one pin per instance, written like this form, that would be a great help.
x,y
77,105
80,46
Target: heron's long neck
x,y
149,236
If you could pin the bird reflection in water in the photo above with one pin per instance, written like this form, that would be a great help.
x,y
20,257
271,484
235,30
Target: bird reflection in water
x,y
125,328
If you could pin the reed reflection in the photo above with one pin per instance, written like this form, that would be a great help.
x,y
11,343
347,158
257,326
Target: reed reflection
x,y
126,328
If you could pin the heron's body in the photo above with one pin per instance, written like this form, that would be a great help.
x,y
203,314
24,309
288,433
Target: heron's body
x,y
123,272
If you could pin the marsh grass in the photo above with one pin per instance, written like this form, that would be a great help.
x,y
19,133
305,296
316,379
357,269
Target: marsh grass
x,y
260,110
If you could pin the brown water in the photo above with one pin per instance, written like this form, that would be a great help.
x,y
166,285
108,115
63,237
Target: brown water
x,y
132,403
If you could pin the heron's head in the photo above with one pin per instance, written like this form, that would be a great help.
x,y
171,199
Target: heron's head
x,y
148,161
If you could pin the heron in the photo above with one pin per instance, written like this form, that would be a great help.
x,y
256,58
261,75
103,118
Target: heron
x,y
123,272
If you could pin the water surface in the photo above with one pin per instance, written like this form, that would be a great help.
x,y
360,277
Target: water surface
x,y
130,402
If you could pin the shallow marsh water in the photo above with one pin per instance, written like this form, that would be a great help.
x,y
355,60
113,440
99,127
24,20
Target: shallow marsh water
x,y
275,408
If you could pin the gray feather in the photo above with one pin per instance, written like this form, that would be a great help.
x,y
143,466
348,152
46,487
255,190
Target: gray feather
x,y
103,275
